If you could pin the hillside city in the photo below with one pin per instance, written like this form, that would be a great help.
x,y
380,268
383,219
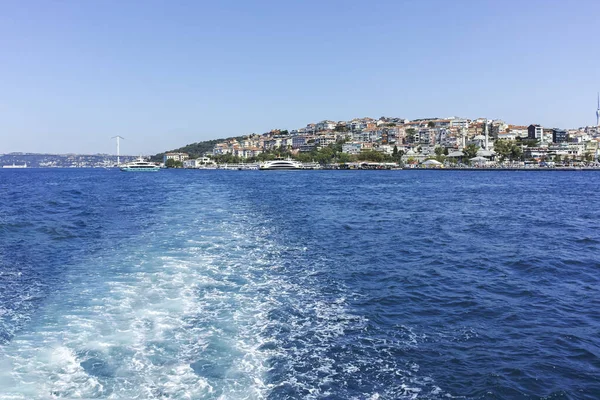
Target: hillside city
x,y
450,141
389,141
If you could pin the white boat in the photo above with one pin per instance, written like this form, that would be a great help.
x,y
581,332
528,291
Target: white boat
x,y
312,165
140,165
287,164
15,166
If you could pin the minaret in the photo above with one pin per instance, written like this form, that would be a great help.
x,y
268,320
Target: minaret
x,y
598,112
486,134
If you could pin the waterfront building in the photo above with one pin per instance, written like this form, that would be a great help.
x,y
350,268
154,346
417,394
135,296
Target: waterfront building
x,y
298,141
559,135
459,123
443,123
576,150
385,148
497,127
535,132
518,131
536,152
507,136
175,156
310,128
307,148
325,126
444,137
426,136
198,162
351,148
324,140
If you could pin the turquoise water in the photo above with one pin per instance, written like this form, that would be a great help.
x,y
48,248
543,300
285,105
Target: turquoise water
x,y
293,284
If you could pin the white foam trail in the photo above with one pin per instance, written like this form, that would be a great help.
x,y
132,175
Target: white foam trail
x,y
171,315
206,304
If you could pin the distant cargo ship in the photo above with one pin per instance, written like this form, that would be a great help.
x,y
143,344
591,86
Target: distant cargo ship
x,y
15,166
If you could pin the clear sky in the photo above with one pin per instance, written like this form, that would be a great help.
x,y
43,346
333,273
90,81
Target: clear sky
x,y
167,73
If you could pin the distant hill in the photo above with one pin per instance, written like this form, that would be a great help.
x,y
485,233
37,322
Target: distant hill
x,y
195,149
35,160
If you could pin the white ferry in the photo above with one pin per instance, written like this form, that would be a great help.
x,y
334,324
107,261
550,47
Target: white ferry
x,y
280,164
15,166
140,165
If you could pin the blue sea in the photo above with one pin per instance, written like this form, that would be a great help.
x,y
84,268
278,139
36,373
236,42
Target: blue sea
x,y
299,284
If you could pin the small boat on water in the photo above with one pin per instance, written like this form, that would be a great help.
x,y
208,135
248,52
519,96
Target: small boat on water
x,y
15,166
287,164
140,165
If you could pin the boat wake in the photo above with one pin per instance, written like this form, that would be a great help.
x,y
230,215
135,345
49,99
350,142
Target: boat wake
x,y
220,305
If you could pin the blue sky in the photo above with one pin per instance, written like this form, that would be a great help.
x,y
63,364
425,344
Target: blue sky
x,y
167,73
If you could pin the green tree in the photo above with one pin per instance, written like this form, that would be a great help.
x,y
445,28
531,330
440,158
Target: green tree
x,y
530,142
371,155
400,155
439,154
194,149
344,158
516,152
171,163
397,155
470,151
503,148
431,124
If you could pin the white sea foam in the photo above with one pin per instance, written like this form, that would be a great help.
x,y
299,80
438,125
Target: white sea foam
x,y
198,308
160,318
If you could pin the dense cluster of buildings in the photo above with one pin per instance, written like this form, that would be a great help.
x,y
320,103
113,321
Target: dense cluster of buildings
x,y
417,139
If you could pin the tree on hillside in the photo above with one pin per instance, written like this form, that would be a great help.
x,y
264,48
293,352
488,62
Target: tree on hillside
x,y
516,152
410,135
431,124
530,142
470,151
397,154
503,148
195,149
439,154
171,163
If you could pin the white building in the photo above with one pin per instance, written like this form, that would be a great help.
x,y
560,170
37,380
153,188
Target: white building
x,y
175,156
325,126
197,162
351,148
459,123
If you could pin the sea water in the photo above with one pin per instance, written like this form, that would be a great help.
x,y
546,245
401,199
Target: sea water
x,y
299,284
